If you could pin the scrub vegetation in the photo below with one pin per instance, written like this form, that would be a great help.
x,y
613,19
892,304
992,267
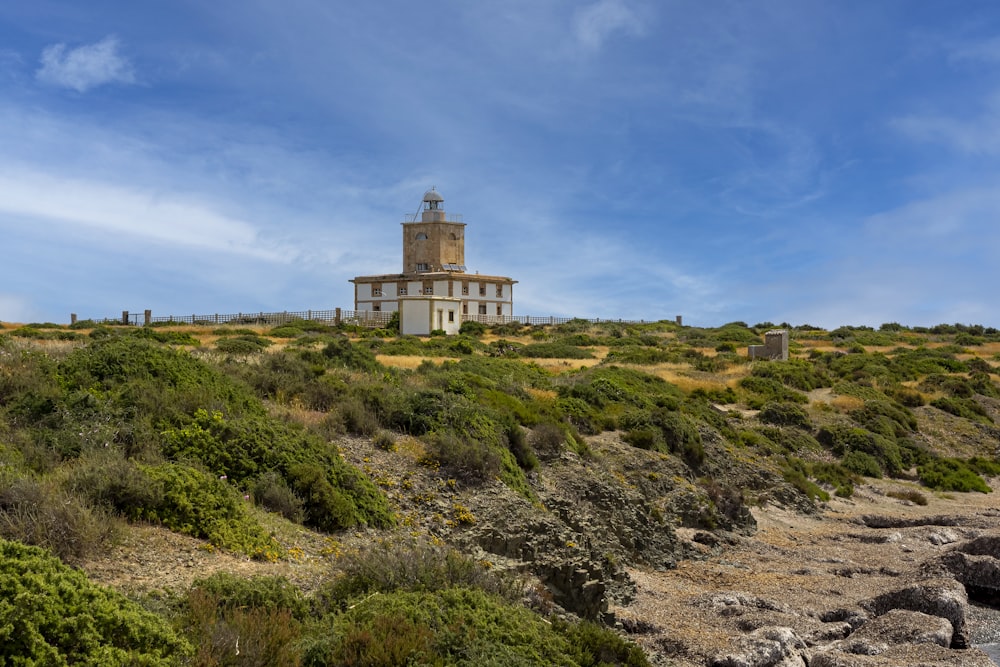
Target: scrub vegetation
x,y
235,436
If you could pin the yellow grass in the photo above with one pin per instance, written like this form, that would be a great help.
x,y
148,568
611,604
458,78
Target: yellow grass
x,y
405,361
563,365
847,403
683,377
543,394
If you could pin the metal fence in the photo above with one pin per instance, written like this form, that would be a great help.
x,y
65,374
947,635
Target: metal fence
x,y
363,318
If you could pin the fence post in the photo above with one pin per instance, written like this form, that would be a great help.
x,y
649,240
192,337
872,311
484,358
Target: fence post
x,y
148,316
124,317
336,316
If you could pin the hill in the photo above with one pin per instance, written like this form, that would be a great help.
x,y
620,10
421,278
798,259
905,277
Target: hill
x,y
527,495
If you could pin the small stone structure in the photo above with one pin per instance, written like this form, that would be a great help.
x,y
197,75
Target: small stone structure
x,y
775,347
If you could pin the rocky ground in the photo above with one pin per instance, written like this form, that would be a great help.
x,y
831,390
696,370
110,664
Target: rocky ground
x,y
868,581
871,580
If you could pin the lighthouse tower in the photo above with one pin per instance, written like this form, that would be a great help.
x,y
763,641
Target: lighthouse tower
x,y
433,243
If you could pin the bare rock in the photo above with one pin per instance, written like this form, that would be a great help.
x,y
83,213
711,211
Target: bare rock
x,y
935,597
861,654
766,647
899,626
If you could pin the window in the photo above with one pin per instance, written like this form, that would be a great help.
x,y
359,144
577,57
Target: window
x,y
482,309
377,307
482,291
499,291
465,290
376,291
423,267
428,290
465,309
421,236
499,309
451,315
402,291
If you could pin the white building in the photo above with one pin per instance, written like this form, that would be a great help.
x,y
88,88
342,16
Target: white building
x,y
434,288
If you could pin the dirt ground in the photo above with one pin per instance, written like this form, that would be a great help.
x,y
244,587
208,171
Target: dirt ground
x,y
823,562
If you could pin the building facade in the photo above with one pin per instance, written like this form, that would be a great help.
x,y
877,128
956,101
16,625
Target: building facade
x,y
434,270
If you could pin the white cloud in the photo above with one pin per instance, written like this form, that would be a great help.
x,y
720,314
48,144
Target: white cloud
x,y
593,25
121,212
85,67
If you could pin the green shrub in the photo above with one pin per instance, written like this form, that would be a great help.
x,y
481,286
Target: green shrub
x,y
385,441
842,440
963,407
839,476
785,414
987,467
795,473
435,627
409,565
258,592
554,351
201,505
645,438
763,390
951,475
472,328
681,436
52,615
245,448
862,463
272,492
242,345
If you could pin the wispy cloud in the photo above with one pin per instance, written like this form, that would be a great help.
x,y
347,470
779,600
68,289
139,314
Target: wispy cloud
x,y
85,67
595,24
117,211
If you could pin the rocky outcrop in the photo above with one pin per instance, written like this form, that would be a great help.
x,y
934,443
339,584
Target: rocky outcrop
x,y
944,598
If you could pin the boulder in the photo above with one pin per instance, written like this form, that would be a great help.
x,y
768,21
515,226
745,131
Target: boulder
x,y
900,626
766,647
935,597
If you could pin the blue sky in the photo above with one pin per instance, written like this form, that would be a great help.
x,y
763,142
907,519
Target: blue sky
x,y
783,160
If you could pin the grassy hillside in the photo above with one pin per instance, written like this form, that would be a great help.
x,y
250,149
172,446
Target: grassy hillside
x,y
532,451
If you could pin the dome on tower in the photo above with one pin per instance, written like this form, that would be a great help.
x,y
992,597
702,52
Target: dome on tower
x,y
433,195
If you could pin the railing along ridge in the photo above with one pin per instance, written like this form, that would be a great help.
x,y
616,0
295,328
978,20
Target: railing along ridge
x,y
364,318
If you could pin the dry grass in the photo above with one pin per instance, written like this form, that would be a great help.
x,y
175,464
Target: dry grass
x,y
847,403
543,394
563,365
405,361
687,380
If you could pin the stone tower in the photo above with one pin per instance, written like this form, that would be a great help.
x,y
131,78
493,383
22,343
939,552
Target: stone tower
x,y
434,243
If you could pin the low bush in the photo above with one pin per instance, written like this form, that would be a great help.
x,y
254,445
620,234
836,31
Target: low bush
x,y
52,615
201,505
41,514
963,407
554,351
951,475
466,458
409,565
225,635
402,628
909,495
862,463
272,492
472,328
258,592
785,414
763,390
242,345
